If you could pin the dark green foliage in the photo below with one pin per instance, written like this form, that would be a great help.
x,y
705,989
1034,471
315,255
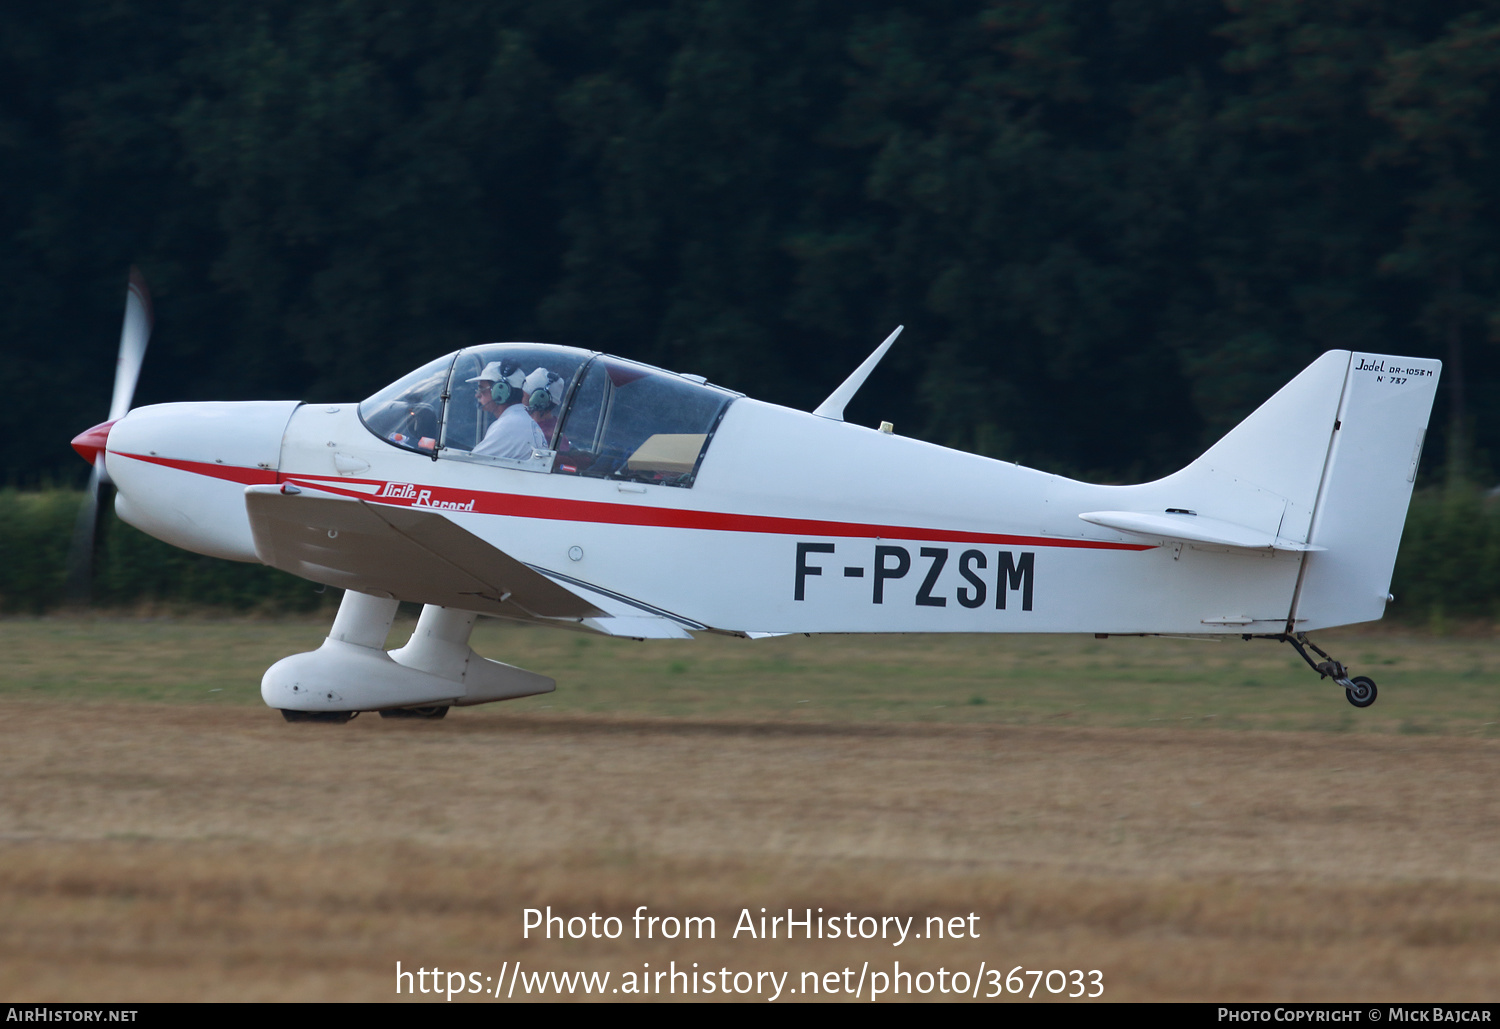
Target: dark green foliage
x,y
132,568
1111,230
35,530
1449,563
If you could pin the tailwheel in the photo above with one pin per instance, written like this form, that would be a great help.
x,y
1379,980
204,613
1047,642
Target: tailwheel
x,y
1361,691
432,711
318,716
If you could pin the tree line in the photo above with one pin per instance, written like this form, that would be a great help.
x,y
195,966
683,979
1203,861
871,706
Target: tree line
x,y
1111,230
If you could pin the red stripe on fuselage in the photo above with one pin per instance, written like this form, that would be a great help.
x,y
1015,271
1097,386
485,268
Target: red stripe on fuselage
x,y
519,505
229,472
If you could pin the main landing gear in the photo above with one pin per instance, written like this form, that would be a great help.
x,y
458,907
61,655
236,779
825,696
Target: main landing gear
x,y
1360,690
432,712
353,672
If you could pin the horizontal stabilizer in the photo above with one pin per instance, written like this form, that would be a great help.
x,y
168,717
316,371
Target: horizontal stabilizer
x,y
1192,528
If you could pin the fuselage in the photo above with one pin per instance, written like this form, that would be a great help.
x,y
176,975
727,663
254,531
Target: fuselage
x,y
793,523
667,500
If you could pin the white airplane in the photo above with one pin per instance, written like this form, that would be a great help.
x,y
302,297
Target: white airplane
x,y
564,487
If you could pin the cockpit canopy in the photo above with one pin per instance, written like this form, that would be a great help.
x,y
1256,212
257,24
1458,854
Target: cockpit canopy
x,y
600,416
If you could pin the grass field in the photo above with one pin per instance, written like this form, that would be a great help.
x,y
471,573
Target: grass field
x,y
1195,820
1428,684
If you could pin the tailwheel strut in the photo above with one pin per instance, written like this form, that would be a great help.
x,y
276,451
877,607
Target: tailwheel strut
x,y
1359,690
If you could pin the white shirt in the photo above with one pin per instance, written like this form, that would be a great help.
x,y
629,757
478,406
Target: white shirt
x,y
514,434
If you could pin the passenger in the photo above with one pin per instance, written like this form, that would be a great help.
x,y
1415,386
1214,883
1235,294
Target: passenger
x,y
544,395
501,394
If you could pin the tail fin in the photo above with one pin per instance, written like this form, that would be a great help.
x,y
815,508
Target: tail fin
x,y
1365,489
1329,462
1270,466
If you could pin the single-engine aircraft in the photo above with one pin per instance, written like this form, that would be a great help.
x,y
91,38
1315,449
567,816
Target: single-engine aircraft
x,y
564,487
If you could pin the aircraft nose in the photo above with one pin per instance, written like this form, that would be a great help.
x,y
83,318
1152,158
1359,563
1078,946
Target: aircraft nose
x,y
181,470
91,442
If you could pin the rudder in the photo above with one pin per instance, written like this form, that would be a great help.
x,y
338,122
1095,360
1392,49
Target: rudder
x,y
1365,490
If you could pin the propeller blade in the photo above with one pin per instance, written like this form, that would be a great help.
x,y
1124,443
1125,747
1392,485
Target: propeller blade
x,y
85,527
134,335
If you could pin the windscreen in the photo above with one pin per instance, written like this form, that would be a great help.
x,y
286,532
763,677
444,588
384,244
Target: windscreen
x,y
633,422
408,412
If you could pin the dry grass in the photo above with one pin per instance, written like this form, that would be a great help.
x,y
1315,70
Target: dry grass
x,y
153,851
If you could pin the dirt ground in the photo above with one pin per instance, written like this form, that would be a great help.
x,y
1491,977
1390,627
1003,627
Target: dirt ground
x,y
175,852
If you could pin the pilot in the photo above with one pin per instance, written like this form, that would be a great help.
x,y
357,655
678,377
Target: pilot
x,y
501,394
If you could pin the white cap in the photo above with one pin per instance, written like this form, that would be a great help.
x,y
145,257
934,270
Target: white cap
x,y
494,373
543,379
535,381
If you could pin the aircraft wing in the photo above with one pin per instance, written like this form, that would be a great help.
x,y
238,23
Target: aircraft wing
x,y
413,555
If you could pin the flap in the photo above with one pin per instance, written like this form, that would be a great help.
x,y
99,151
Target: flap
x,y
643,627
401,552
1192,528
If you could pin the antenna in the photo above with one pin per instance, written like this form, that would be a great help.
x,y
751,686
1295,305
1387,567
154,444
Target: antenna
x,y
833,407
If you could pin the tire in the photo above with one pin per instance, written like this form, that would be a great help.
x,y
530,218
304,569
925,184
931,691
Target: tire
x,y
432,712
339,717
1364,693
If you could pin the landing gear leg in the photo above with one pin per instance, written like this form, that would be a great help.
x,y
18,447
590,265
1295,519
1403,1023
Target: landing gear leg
x,y
322,685
1360,690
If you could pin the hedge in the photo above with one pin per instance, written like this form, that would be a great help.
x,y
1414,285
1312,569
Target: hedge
x,y
36,531
1448,566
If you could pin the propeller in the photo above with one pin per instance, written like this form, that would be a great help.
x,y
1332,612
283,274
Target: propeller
x,y
134,335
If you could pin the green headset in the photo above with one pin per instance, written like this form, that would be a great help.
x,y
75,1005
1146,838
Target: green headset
x,y
543,398
505,391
